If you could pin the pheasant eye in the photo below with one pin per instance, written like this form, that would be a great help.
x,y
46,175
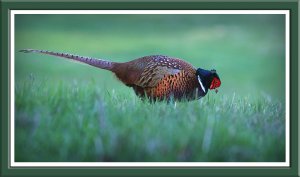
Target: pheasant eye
x,y
215,83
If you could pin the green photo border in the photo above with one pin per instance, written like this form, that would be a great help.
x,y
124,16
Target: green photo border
x,y
7,170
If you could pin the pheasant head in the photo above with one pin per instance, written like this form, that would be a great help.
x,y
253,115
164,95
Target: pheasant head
x,y
208,79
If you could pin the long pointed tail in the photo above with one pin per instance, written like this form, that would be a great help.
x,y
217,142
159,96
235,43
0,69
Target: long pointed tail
x,y
108,65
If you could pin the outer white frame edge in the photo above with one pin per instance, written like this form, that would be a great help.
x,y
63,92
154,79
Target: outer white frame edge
x,y
12,89
287,86
147,164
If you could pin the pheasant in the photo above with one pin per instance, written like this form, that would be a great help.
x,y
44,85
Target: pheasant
x,y
156,77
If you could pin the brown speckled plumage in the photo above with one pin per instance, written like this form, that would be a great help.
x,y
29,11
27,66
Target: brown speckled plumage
x,y
157,77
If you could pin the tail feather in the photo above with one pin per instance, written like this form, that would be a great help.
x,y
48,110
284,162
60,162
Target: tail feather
x,y
103,64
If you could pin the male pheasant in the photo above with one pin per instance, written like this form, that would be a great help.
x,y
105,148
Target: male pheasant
x,y
157,77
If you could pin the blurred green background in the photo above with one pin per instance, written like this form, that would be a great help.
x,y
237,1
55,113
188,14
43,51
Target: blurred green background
x,y
67,111
248,51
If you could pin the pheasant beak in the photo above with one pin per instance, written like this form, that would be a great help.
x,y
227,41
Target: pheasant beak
x,y
216,90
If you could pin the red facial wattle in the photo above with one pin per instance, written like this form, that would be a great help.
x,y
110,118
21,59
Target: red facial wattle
x,y
215,83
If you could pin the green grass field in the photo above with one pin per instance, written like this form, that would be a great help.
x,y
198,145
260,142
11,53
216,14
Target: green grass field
x,y
65,111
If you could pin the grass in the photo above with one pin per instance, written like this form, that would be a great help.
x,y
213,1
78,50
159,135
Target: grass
x,y
71,112
79,122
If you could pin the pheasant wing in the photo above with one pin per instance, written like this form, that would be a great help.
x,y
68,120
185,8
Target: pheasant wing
x,y
153,74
